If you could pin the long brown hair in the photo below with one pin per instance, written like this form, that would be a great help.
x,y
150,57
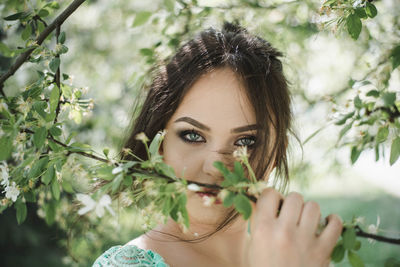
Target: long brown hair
x,y
256,64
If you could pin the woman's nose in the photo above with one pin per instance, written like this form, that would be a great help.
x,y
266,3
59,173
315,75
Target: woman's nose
x,y
211,157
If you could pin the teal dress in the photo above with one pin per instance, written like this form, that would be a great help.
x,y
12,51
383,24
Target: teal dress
x,y
129,256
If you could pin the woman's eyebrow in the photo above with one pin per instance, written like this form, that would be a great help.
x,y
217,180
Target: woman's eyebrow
x,y
206,128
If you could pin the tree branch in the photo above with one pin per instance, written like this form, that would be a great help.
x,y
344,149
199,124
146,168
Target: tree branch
x,y
46,32
361,233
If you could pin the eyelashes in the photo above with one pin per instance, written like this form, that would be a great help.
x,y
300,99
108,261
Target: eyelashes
x,y
194,137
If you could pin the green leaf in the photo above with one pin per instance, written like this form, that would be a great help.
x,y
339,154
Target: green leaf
x,y
357,102
354,259
26,33
39,107
38,167
345,129
169,5
355,153
361,12
338,253
395,150
345,118
382,134
242,205
105,172
43,13
55,131
61,38
155,144
54,98
21,211
141,18
53,5
19,15
395,56
66,90
389,98
147,52
165,169
50,210
39,137
5,50
6,148
374,93
357,246
228,200
66,185
354,26
116,182
54,64
79,147
40,26
128,180
370,9
329,2
49,175
349,238
238,169
221,167
55,189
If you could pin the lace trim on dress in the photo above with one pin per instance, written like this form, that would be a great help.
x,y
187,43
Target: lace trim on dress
x,y
128,256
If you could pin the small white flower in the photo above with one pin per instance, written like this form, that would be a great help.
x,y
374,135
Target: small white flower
x,y
142,137
117,170
360,220
240,153
223,194
98,207
12,192
373,229
4,174
193,187
208,201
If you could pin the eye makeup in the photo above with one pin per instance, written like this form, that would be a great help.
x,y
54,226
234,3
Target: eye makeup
x,y
192,136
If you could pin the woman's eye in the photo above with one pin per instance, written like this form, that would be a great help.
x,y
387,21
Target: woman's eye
x,y
246,141
191,137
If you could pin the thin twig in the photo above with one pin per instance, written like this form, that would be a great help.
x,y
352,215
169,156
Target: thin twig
x,y
361,233
68,147
57,77
46,32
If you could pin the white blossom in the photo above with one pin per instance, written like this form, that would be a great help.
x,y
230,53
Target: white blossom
x,y
117,170
240,153
193,187
12,192
98,207
373,228
208,201
142,137
4,174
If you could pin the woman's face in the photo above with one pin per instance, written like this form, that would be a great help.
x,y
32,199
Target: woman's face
x,y
214,119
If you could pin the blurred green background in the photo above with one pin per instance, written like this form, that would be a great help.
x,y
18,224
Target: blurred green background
x,y
112,47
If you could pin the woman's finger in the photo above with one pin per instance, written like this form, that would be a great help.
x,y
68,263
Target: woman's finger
x,y
291,209
331,233
310,217
267,206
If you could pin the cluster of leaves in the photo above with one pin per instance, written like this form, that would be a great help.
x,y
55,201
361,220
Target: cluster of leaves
x,y
376,116
349,14
371,120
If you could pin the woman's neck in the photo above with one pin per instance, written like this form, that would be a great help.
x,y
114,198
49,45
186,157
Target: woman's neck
x,y
225,247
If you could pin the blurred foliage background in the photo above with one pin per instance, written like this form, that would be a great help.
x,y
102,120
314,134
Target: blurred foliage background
x,y
112,47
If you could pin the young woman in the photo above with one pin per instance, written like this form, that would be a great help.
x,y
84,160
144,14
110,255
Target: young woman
x,y
223,90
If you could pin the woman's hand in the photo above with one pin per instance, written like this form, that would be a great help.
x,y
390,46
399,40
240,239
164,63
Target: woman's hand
x,y
289,239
